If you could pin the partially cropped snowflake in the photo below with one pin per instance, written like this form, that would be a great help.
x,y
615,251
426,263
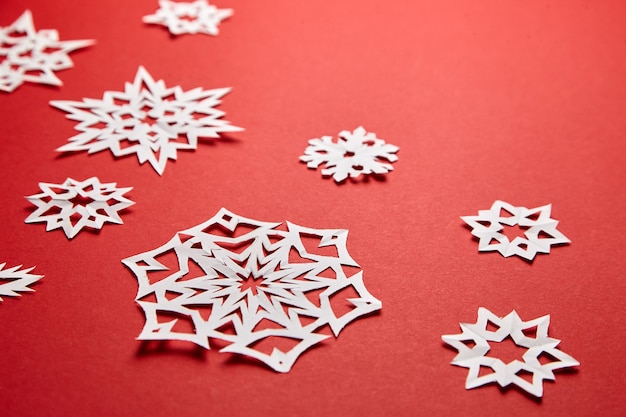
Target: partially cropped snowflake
x,y
147,119
195,17
13,280
539,230
30,55
541,358
73,205
260,281
354,153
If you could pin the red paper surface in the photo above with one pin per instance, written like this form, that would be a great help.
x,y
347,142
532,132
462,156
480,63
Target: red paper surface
x,y
518,101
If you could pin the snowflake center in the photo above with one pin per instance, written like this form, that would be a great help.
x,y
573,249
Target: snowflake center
x,y
189,17
512,232
348,154
80,200
147,118
252,283
507,351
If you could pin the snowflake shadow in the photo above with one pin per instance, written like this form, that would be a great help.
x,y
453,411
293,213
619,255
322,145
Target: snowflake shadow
x,y
170,348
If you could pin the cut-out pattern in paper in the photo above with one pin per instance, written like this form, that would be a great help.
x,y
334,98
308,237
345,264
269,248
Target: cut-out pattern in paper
x,y
73,205
354,153
192,17
246,283
539,230
541,358
147,119
13,280
29,55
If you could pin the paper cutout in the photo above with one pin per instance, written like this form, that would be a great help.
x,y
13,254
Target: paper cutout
x,y
147,119
194,17
249,281
30,55
541,230
354,153
508,373
13,280
74,205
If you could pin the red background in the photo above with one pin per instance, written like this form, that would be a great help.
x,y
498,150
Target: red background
x,y
519,101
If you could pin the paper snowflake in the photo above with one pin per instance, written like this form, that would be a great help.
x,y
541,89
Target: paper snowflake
x,y
147,119
260,281
540,359
30,55
354,153
539,230
195,17
13,280
74,205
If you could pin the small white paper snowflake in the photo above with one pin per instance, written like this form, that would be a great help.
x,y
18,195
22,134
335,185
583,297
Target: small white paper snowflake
x,y
354,153
194,17
539,230
13,280
249,281
147,119
30,55
540,346
74,205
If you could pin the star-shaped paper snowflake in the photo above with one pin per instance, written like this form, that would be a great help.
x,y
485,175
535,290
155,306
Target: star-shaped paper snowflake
x,y
74,205
263,283
354,153
30,55
539,230
13,280
195,17
541,358
147,119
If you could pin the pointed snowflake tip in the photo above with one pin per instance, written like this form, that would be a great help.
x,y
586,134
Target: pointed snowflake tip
x,y
250,275
353,154
13,280
74,205
476,340
28,55
147,119
539,230
188,17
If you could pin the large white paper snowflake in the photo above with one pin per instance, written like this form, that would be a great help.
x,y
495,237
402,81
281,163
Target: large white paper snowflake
x,y
539,230
354,153
13,280
73,205
541,358
258,279
147,119
30,55
194,17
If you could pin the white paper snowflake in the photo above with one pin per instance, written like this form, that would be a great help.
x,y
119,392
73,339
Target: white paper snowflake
x,y
13,280
354,153
539,230
30,55
74,205
194,17
249,281
541,358
147,119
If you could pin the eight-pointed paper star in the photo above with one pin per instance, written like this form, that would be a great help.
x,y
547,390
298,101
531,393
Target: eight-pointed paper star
x,y
354,153
73,205
541,358
30,55
195,17
147,119
13,280
540,230
265,283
